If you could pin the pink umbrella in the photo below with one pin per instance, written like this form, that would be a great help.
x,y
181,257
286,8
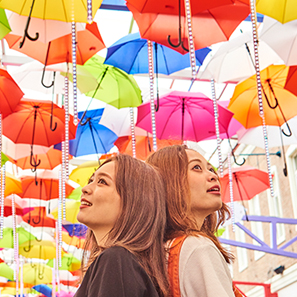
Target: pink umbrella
x,y
185,116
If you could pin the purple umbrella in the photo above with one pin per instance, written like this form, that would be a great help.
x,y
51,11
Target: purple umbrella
x,y
184,115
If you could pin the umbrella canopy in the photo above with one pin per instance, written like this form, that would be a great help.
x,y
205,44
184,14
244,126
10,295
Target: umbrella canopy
x,y
33,118
144,145
37,273
244,102
114,87
10,93
44,289
72,240
6,271
72,209
69,262
4,25
7,240
38,218
291,80
208,27
99,138
19,211
233,62
12,185
242,179
130,54
184,116
282,10
78,230
54,10
281,38
82,173
43,249
76,193
59,50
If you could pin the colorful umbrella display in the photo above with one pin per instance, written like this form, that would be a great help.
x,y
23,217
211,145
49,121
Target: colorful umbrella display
x,y
69,262
247,182
184,116
72,209
12,185
7,240
39,218
43,249
37,273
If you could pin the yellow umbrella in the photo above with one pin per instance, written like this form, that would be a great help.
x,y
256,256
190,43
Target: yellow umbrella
x,y
37,274
12,291
13,185
72,209
43,249
282,10
83,172
244,102
61,10
69,262
72,240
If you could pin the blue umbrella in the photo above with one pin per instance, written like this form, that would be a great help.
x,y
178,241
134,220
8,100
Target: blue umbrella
x,y
44,289
91,137
78,230
130,54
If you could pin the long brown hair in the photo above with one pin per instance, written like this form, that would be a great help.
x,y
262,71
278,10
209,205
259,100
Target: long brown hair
x,y
172,162
141,222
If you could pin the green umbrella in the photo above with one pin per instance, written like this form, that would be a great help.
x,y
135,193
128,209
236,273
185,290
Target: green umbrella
x,y
6,271
114,87
7,240
75,194
4,25
69,262
4,159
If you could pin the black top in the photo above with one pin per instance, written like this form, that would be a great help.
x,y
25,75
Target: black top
x,y
116,273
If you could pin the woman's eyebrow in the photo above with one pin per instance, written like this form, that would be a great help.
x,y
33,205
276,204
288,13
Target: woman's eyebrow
x,y
198,160
104,175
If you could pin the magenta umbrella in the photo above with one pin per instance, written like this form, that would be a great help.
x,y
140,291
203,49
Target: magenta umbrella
x,y
185,116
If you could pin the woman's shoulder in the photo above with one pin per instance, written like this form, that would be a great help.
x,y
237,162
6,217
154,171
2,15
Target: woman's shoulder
x,y
197,241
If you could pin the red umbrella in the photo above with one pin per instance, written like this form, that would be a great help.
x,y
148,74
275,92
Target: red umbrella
x,y
247,183
38,218
290,84
208,27
18,209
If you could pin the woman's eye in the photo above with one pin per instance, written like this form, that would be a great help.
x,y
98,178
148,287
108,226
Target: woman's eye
x,y
102,181
212,170
197,167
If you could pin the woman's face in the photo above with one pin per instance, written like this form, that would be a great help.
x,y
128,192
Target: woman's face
x,y
204,185
100,201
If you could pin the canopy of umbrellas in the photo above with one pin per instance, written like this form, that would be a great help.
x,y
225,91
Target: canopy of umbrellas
x,y
64,43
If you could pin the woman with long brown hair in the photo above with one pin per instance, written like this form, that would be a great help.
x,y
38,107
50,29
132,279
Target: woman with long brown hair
x,y
124,208
197,262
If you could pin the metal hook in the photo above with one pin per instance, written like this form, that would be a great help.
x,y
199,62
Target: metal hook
x,y
29,247
43,73
86,121
271,89
180,42
26,34
157,76
51,124
290,132
40,274
33,162
39,218
234,158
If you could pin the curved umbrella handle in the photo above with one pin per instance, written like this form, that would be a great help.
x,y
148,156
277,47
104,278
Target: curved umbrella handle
x,y
29,247
82,118
270,87
51,124
290,132
40,273
39,218
26,34
42,79
33,162
239,164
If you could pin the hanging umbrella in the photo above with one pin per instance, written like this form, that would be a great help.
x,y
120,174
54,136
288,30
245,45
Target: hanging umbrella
x,y
282,10
12,185
234,60
72,240
4,25
130,53
99,138
281,38
247,183
280,105
143,145
114,87
291,80
76,193
184,116
78,230
72,209
7,240
69,262
37,273
208,27
43,249
19,211
6,271
38,218
44,289
82,173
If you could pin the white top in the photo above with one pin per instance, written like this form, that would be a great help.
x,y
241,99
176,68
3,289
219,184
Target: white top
x,y
203,271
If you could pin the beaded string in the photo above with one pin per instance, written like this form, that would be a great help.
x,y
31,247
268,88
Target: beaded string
x,y
231,192
132,125
2,199
90,17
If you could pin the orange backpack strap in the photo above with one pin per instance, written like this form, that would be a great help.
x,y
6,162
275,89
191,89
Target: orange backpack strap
x,y
173,265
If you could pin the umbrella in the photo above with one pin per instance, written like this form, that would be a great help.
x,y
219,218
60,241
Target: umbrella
x,y
144,145
130,53
4,25
76,193
12,185
43,249
82,173
98,138
279,106
49,160
184,116
281,38
281,10
208,27
78,230
72,240
6,271
291,80
89,42
69,262
19,211
234,61
114,87
37,273
72,209
44,289
7,240
247,183
38,218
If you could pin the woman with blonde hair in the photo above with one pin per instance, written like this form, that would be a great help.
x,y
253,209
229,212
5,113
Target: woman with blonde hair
x,y
198,264
124,208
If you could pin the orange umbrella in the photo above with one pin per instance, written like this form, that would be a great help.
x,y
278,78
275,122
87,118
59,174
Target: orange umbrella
x,y
13,185
49,160
59,50
279,104
38,218
208,26
143,145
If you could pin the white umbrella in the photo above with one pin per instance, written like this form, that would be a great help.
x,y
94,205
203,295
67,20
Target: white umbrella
x,y
282,38
232,61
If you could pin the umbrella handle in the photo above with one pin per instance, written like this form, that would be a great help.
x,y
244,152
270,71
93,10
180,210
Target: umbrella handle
x,y
29,247
290,132
33,162
26,34
239,164
39,217
51,125
86,121
270,86
42,79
